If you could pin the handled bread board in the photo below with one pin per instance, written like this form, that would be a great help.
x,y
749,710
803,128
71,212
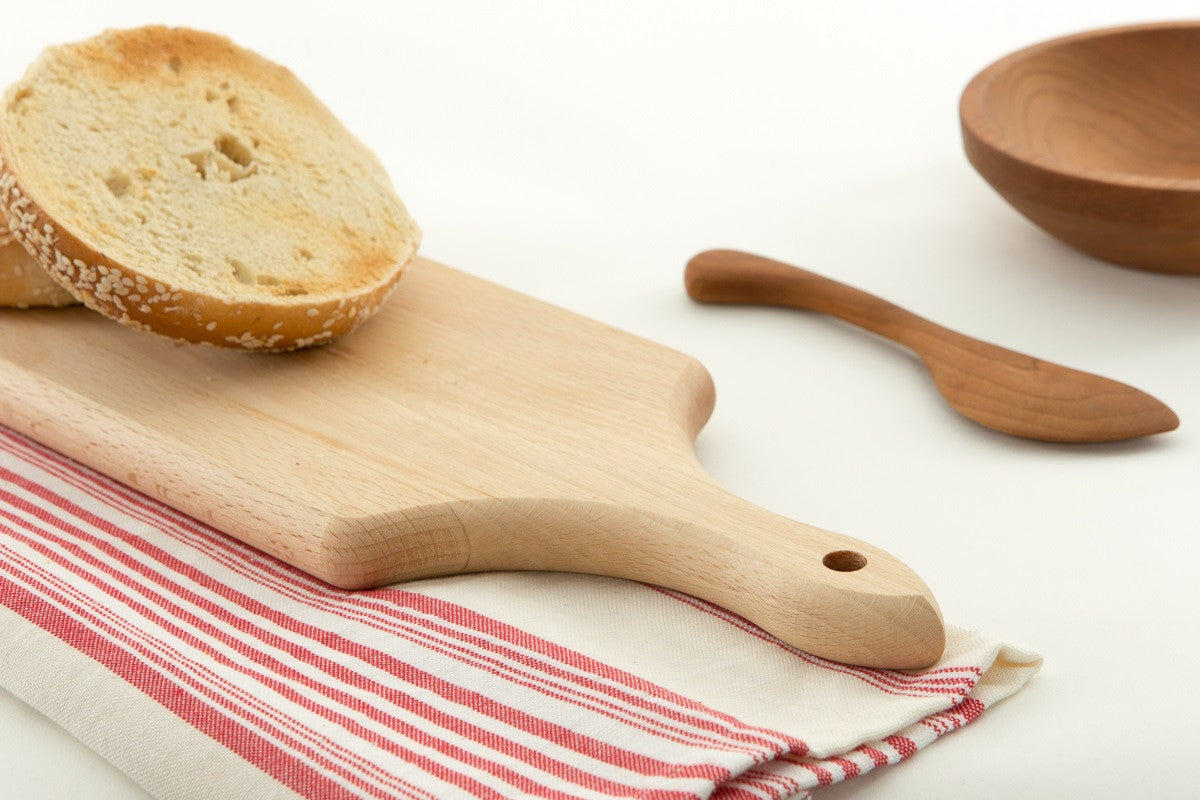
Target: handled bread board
x,y
465,428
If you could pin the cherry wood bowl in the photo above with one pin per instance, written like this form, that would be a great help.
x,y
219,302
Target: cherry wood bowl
x,y
1096,139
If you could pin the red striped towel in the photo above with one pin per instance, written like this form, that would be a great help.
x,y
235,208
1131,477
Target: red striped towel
x,y
177,652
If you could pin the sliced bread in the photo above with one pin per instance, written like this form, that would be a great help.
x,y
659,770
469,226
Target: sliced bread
x,y
23,283
178,183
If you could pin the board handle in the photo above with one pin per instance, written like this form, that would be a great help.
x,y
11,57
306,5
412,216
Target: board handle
x,y
825,593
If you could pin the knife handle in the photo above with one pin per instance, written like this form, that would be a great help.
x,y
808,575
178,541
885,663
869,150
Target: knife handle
x,y
733,276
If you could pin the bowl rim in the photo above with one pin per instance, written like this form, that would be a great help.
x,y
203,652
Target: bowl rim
x,y
979,124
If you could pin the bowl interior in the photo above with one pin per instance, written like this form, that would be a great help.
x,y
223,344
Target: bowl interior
x,y
1124,102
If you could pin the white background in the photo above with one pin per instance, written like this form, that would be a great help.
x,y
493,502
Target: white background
x,y
581,152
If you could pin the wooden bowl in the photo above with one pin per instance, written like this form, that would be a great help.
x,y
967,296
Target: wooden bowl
x,y
1096,139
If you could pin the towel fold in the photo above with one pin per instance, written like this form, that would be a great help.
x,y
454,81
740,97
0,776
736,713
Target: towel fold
x,y
203,668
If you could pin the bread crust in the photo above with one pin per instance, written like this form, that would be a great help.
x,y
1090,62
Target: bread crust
x,y
123,293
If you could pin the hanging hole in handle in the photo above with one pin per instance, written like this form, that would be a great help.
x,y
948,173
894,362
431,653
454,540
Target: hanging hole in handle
x,y
844,560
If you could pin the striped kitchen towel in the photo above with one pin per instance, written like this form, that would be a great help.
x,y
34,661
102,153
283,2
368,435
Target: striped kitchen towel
x,y
174,652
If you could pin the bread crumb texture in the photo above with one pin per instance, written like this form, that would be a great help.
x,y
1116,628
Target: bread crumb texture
x,y
23,282
184,185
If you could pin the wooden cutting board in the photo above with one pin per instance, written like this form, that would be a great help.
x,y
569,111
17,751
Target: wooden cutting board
x,y
465,428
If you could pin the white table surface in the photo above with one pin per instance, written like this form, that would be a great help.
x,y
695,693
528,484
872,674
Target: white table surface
x,y
581,152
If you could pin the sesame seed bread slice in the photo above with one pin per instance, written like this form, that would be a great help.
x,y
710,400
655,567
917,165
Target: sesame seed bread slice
x,y
178,183
23,283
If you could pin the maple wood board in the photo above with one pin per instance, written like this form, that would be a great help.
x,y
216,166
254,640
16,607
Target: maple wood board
x,y
465,428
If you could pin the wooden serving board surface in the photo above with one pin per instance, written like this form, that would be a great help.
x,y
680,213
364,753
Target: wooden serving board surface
x,y
465,428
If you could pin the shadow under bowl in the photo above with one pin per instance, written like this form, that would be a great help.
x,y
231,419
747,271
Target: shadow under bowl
x,y
1096,139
